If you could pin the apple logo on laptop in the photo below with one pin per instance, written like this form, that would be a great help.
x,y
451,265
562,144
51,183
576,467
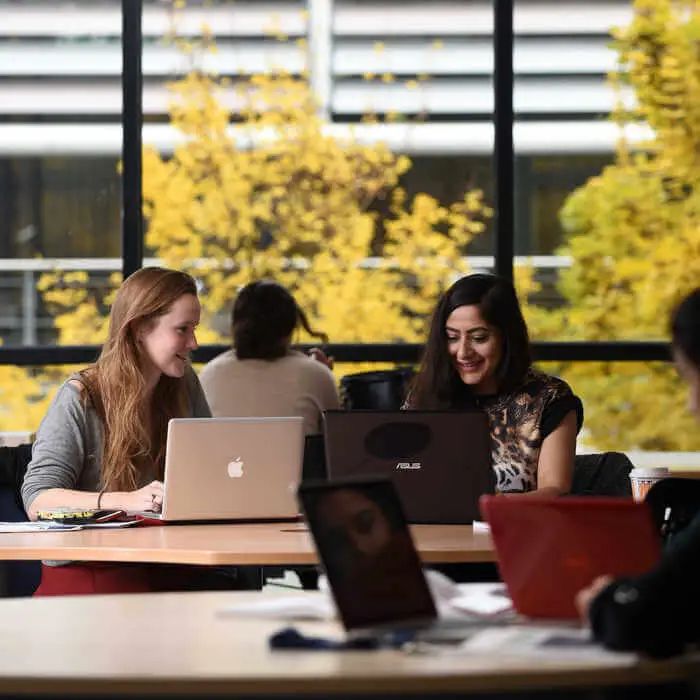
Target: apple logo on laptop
x,y
235,468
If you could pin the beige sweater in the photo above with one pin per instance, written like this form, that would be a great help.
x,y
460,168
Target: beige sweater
x,y
294,385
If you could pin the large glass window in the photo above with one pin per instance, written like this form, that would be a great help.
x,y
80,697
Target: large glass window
x,y
622,404
25,395
325,148
61,207
543,185
60,199
61,214
60,138
338,171
562,99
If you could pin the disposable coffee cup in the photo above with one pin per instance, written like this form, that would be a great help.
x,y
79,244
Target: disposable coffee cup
x,y
643,478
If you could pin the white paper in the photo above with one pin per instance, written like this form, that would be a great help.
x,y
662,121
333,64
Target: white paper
x,y
480,526
52,526
486,599
550,641
442,587
39,526
304,606
469,602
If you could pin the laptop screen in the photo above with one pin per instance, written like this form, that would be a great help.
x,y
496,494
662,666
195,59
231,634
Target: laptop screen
x,y
366,549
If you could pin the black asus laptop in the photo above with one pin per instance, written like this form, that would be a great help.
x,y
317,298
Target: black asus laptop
x,y
373,569
439,461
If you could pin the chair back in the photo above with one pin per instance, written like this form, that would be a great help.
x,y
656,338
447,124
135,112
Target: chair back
x,y
17,578
602,474
384,390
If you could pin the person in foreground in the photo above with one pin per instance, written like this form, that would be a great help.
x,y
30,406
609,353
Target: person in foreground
x,y
102,441
478,357
658,613
262,375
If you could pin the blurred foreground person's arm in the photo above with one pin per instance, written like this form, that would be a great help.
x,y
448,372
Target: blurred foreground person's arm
x,y
658,613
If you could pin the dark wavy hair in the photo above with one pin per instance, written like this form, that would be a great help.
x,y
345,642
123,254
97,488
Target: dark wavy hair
x,y
264,316
437,383
685,327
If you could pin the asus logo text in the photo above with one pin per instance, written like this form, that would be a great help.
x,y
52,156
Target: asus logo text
x,y
409,465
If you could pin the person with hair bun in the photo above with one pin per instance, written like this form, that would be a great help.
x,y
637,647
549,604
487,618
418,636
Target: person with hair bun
x,y
261,375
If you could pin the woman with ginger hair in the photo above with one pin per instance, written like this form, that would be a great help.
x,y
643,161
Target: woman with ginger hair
x,y
102,441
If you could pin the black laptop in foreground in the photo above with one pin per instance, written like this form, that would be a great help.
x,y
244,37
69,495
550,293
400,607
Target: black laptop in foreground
x,y
374,570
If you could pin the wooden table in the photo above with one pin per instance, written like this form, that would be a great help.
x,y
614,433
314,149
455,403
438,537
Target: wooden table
x,y
230,544
177,644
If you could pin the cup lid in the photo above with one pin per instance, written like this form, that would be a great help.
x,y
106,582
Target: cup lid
x,y
650,472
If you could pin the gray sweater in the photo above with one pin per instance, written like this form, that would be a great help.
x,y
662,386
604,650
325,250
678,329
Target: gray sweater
x,y
67,452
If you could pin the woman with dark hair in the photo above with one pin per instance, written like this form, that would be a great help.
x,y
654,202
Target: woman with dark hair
x,y
658,613
261,375
478,356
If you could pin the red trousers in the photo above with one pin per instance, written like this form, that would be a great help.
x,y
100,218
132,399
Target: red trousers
x,y
97,577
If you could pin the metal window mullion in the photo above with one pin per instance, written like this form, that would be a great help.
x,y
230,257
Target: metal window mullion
x,y
404,353
132,119
504,151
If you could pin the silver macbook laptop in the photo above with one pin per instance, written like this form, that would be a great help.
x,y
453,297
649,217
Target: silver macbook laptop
x,y
232,469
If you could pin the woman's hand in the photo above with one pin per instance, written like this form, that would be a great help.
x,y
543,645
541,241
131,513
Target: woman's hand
x,y
147,498
320,356
585,596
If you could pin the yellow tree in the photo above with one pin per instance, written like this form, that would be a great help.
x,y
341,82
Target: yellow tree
x,y
295,207
80,317
277,196
634,234
22,399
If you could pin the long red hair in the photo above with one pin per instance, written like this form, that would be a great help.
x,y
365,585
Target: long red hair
x,y
135,428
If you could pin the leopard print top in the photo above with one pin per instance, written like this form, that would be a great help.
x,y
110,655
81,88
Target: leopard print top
x,y
520,420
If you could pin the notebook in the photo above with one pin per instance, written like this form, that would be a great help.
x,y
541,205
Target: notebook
x,y
440,461
374,571
232,469
548,549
